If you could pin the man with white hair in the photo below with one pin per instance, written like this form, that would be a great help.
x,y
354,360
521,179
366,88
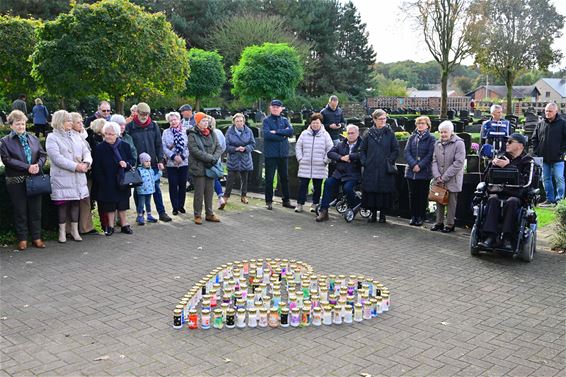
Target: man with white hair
x,y
494,132
549,142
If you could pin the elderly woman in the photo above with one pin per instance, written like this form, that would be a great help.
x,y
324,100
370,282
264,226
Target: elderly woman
x,y
240,143
122,122
311,149
176,150
418,154
378,151
222,140
23,155
133,112
448,171
204,152
111,158
70,160
40,117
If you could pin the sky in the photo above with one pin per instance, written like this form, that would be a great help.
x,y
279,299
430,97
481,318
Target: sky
x,y
394,39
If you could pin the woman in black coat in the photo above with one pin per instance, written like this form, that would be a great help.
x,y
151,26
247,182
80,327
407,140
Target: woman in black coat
x,y
111,158
378,151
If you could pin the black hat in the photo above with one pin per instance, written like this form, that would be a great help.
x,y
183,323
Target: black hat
x,y
276,102
518,138
185,108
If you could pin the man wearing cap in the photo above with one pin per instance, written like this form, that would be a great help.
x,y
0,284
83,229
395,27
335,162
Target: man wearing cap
x,y
515,157
276,133
147,138
549,142
102,112
188,120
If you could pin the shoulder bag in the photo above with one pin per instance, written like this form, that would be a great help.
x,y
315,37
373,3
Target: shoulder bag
x,y
38,184
217,170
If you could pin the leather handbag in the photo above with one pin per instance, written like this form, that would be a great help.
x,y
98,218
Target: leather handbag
x,y
131,178
438,194
216,171
38,184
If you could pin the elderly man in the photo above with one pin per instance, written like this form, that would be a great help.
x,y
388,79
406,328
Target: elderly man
x,y
494,132
515,158
549,142
333,119
348,171
102,112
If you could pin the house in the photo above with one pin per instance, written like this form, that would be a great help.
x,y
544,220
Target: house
x,y
528,93
552,90
428,93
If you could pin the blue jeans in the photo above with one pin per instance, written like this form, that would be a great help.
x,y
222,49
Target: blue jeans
x,y
218,187
177,186
549,171
304,187
157,197
143,200
281,165
331,188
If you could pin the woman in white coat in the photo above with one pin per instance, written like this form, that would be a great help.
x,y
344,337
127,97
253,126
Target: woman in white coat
x,y
311,150
70,160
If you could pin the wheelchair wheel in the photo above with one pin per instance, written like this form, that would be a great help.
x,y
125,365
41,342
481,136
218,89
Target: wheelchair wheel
x,y
365,213
317,209
341,206
349,215
529,247
474,250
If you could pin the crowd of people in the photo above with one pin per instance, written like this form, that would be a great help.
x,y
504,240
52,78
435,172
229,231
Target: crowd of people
x,y
93,163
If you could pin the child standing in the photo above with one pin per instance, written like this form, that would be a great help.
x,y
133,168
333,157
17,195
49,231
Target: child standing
x,y
146,190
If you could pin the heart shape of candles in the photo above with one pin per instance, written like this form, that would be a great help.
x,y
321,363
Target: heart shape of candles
x,y
278,293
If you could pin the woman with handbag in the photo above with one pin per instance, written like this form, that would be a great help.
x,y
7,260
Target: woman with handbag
x,y
23,157
378,151
418,154
448,172
70,160
204,152
112,158
176,150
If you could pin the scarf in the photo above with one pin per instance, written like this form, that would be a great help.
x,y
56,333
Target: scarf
x,y
421,135
179,142
314,132
139,123
25,145
117,157
204,132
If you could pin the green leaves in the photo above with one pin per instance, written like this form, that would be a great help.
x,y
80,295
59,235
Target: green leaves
x,y
207,73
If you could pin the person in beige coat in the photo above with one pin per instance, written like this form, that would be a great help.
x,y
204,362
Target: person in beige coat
x,y
70,160
448,170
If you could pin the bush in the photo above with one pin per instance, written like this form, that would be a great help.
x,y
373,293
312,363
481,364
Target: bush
x,y
559,239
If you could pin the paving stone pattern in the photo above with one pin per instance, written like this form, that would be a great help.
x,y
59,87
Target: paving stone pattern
x,y
112,299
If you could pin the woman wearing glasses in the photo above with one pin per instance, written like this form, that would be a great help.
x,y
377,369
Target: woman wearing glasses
x,y
378,151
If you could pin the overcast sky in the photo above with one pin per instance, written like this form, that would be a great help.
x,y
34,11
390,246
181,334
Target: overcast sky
x,y
394,39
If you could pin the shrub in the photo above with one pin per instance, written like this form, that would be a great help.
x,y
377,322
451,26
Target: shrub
x,y
559,239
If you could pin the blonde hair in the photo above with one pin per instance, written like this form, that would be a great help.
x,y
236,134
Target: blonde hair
x,y
38,101
59,119
425,118
97,125
76,117
211,122
238,115
16,115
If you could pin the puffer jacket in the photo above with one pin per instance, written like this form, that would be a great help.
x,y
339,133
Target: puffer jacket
x,y
66,150
240,161
149,177
448,162
168,140
419,152
311,151
200,159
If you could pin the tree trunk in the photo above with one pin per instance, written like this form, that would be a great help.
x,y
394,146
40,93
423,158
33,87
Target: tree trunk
x,y
197,104
118,105
444,93
509,79
62,103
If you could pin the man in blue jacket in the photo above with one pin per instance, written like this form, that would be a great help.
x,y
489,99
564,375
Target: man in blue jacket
x,y
276,133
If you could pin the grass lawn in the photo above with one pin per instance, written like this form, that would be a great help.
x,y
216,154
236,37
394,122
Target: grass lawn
x,y
545,216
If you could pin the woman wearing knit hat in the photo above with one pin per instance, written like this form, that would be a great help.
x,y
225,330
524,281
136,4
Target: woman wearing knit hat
x,y
204,152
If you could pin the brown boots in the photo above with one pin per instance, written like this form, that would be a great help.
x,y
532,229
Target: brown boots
x,y
322,215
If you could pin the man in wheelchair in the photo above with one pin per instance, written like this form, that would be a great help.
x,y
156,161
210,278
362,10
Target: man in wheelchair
x,y
347,173
507,176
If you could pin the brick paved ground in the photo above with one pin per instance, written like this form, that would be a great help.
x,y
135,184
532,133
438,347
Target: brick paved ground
x,y
452,314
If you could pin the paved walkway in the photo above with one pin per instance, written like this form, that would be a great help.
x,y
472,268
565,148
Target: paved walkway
x,y
104,306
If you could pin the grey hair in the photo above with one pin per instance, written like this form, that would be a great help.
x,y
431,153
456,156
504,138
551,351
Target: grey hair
x,y
113,125
333,98
118,118
446,126
495,107
59,118
552,105
134,108
352,127
377,113
172,114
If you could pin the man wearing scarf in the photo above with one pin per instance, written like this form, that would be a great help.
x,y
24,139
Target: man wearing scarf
x,y
147,138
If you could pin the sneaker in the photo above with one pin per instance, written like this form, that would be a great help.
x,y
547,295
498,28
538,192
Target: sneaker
x,y
299,208
221,203
313,208
151,219
140,220
109,231
164,217
546,203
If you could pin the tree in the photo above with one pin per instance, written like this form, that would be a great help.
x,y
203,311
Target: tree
x,y
39,9
511,36
207,75
443,23
383,86
465,84
267,71
18,42
112,47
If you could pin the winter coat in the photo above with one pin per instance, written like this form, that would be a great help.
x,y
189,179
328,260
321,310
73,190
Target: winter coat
x,y
522,163
128,139
200,159
148,140
40,114
346,171
13,155
378,148
66,149
419,152
549,140
277,144
333,116
240,161
149,177
169,148
311,151
221,139
106,171
448,162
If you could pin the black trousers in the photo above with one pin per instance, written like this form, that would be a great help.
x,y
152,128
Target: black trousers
x,y
418,196
232,174
509,211
27,212
280,165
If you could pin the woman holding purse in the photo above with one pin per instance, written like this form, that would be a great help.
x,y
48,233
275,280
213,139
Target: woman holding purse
x,y
23,155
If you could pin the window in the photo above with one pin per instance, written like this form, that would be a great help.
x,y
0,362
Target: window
x,y
547,94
